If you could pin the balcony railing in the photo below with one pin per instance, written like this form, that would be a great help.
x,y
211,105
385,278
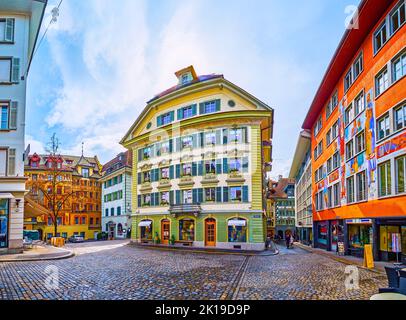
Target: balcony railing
x,y
181,209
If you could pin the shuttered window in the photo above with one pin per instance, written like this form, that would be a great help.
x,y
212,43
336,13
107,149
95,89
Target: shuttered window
x,y
12,162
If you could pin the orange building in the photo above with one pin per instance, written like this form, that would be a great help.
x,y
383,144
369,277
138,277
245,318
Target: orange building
x,y
78,191
358,121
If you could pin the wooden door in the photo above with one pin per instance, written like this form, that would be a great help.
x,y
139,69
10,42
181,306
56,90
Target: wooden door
x,y
165,231
210,233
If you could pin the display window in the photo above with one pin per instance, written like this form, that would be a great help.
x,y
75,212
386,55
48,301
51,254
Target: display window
x,y
360,235
337,232
322,232
187,230
146,230
237,230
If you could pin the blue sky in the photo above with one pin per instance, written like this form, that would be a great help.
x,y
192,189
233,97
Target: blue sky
x,y
104,59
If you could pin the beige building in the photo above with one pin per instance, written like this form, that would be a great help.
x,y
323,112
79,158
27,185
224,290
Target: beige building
x,y
301,171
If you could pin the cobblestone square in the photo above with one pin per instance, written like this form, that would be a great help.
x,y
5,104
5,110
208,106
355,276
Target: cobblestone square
x,y
114,270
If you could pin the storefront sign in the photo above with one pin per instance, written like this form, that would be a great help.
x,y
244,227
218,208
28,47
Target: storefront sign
x,y
359,221
368,257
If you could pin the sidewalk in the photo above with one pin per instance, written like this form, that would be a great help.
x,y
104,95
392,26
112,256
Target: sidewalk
x,y
350,260
39,252
178,248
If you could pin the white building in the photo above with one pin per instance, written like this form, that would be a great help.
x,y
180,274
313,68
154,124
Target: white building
x,y
20,22
116,196
301,171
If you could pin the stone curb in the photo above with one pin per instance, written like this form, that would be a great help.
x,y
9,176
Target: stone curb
x,y
336,258
219,252
44,257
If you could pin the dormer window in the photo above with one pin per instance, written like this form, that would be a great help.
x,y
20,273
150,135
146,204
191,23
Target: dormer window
x,y
85,173
186,78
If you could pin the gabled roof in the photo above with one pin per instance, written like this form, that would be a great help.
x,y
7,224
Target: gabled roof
x,y
369,14
122,160
179,90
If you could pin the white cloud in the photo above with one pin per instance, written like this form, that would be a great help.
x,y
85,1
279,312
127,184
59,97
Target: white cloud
x,y
111,62
35,145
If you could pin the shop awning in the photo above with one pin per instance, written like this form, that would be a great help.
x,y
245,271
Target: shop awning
x,y
237,223
6,196
145,224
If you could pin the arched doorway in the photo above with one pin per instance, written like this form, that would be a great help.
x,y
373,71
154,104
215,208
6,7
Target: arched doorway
x,y
165,231
210,232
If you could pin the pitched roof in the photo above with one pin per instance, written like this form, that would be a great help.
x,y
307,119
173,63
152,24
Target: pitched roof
x,y
69,163
122,160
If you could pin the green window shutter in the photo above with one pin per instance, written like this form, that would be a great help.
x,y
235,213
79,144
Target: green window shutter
x,y
172,116
218,166
194,196
9,30
139,178
159,121
12,162
200,195
195,142
225,194
245,135
140,154
245,164
218,194
171,172
245,194
201,139
171,145
139,201
157,202
225,165
152,199
225,136
201,108
218,105
15,73
177,171
180,114
200,168
158,149
194,109
13,115
178,200
194,169
171,198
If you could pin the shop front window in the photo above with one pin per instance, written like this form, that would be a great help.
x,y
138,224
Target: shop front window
x,y
322,234
146,230
4,212
186,230
237,230
393,240
336,235
359,235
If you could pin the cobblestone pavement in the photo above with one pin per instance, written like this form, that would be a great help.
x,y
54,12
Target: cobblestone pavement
x,y
112,270
299,275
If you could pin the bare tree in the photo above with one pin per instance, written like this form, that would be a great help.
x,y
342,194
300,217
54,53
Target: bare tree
x,y
50,187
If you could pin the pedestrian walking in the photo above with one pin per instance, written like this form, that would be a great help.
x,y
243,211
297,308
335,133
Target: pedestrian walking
x,y
292,239
287,239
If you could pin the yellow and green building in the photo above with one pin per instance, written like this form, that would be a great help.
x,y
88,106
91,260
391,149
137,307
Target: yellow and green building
x,y
202,150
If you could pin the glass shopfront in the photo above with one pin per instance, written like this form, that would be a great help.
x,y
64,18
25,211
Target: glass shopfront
x,y
146,230
392,242
337,234
237,230
187,230
322,234
359,235
4,216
